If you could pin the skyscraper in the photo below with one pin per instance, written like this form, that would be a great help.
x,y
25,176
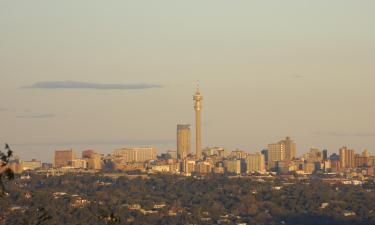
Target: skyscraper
x,y
63,157
290,148
276,152
183,141
325,154
347,158
255,163
265,153
94,162
198,107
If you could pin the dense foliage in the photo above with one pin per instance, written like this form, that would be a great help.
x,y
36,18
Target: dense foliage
x,y
5,172
213,199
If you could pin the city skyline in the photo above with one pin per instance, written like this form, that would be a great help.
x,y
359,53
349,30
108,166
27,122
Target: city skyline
x,y
198,148
70,81
187,112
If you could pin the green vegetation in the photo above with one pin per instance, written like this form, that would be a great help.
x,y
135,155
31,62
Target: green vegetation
x,y
5,172
96,199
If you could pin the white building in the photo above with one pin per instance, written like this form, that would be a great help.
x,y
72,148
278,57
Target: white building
x,y
140,154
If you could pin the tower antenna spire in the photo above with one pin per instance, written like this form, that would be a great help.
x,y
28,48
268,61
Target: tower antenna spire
x,y
198,107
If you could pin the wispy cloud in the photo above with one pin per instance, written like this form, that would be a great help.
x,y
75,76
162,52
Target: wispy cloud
x,y
3,109
88,85
37,116
347,134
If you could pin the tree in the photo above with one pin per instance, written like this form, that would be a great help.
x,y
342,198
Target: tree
x,y
5,172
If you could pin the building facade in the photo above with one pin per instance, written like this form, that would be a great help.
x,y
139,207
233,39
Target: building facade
x,y
32,165
94,162
276,152
290,148
78,164
233,166
183,141
347,158
255,163
140,154
63,158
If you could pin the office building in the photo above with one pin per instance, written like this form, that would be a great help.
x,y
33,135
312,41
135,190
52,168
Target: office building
x,y
63,157
188,166
265,153
255,163
276,152
361,161
347,158
32,165
334,157
78,163
94,162
314,155
141,154
325,154
286,166
183,141
233,166
290,148
238,154
203,167
215,151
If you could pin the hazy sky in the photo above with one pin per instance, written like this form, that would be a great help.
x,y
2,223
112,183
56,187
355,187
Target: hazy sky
x,y
267,69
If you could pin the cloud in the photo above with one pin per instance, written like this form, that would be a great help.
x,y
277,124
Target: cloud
x,y
37,116
3,109
347,134
87,85
299,76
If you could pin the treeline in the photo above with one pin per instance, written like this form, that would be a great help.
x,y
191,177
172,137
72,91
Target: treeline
x,y
188,200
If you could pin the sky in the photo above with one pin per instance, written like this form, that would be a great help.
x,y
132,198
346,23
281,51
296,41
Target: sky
x,y
102,75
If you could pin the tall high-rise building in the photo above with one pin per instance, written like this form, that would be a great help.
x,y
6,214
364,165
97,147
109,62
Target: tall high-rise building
x,y
347,158
233,166
198,107
276,152
64,157
94,162
325,154
137,155
361,161
183,141
290,148
265,153
255,163
314,155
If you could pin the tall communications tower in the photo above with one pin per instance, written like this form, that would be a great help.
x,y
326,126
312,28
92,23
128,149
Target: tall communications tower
x,y
198,107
